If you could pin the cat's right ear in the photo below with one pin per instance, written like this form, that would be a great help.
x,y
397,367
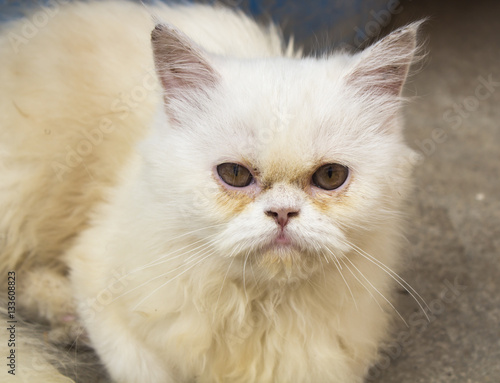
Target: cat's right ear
x,y
383,67
180,64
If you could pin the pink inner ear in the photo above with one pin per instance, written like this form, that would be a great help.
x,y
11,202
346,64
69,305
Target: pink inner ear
x,y
383,68
383,80
179,62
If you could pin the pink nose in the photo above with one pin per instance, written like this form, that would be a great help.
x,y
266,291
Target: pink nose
x,y
282,216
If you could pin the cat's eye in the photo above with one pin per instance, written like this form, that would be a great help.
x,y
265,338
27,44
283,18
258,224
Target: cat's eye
x,y
234,174
330,176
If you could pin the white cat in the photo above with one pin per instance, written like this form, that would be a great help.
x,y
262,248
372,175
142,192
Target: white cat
x,y
233,216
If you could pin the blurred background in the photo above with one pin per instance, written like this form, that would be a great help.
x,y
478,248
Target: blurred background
x,y
453,248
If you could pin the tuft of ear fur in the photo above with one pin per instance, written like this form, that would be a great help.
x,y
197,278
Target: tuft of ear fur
x,y
382,68
180,63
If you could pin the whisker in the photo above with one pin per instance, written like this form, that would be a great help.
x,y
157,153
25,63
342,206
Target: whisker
x,y
153,263
195,231
235,250
335,258
244,274
345,281
321,263
189,260
393,275
222,287
253,274
162,259
377,290
170,280
362,284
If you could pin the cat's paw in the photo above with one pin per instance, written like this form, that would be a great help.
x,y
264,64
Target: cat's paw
x,y
46,297
68,331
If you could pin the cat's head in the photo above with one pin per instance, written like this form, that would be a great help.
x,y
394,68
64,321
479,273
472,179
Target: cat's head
x,y
279,163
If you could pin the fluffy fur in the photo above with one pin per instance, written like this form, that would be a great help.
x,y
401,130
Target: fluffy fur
x,y
109,142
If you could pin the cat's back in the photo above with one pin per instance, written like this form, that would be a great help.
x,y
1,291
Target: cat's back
x,y
78,90
85,52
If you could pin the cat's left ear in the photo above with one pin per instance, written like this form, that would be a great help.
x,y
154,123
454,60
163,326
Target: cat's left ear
x,y
181,65
382,68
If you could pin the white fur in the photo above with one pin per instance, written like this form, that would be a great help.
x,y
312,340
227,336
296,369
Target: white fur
x,y
172,275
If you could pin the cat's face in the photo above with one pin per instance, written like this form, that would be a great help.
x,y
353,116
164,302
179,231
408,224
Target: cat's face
x,y
282,164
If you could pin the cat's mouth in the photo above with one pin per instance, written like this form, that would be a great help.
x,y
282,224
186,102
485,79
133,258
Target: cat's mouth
x,y
283,258
283,239
280,242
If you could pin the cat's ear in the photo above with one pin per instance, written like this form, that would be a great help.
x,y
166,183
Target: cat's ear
x,y
181,65
382,68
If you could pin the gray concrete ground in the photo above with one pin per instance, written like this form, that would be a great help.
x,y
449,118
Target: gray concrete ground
x,y
454,238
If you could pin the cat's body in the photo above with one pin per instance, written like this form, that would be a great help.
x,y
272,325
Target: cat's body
x,y
177,276
73,104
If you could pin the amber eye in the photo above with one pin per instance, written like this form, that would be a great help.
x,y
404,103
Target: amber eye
x,y
330,176
234,174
